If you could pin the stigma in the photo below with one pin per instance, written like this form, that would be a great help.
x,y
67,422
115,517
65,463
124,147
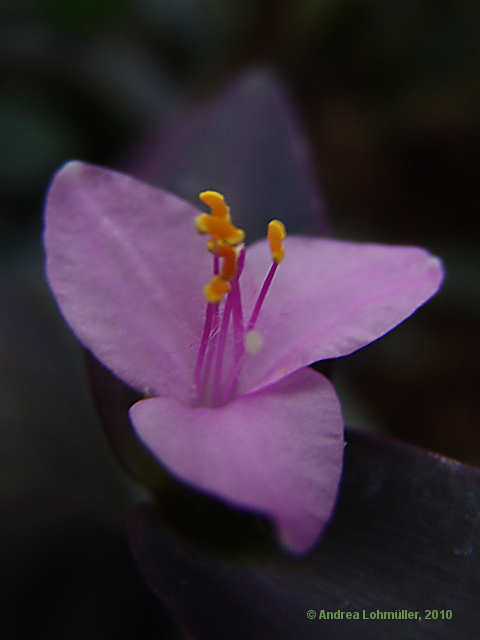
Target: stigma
x,y
216,374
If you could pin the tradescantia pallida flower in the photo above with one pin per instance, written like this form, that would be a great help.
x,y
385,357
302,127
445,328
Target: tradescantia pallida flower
x,y
230,405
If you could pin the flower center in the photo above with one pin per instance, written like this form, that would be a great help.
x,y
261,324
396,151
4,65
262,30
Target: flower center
x,y
225,338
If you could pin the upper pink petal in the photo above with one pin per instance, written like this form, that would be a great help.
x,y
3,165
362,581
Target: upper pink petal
x,y
330,298
127,269
278,451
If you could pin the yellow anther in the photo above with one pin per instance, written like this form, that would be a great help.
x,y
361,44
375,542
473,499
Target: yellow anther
x,y
217,204
219,228
229,266
212,244
224,237
275,234
216,289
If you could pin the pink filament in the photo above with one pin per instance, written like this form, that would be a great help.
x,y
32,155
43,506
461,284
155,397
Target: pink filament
x,y
215,334
207,327
230,387
211,318
261,297
232,304
212,344
216,394
237,306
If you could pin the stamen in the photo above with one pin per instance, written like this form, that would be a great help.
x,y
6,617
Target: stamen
x,y
209,331
224,242
222,340
236,296
261,297
207,327
275,234
219,228
203,395
229,255
238,346
217,204
216,289
218,222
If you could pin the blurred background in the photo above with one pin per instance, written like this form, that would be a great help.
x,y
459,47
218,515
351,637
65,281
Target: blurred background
x,y
389,97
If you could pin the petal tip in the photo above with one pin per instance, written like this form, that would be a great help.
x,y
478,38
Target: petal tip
x,y
436,263
71,168
298,537
436,268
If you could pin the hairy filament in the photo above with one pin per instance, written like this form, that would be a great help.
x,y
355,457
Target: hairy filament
x,y
216,393
207,327
210,328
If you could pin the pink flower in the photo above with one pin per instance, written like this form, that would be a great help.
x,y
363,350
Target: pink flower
x,y
231,407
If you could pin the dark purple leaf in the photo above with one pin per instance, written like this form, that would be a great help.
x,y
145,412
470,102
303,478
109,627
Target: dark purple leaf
x,y
67,572
405,536
113,398
248,145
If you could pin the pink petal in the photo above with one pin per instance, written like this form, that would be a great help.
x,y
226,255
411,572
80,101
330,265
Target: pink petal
x,y
278,451
330,298
127,269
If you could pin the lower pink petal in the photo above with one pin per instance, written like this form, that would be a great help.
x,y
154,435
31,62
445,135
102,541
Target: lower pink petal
x,y
278,451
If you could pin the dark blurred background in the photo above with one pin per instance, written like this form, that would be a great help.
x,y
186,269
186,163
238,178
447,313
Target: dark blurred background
x,y
389,97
